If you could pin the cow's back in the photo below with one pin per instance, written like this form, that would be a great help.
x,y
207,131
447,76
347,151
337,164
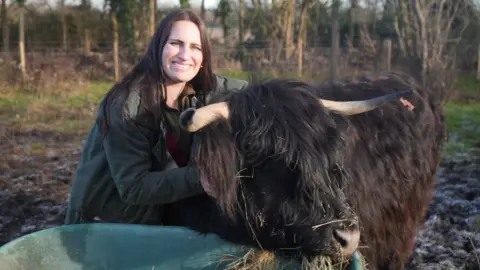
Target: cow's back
x,y
391,160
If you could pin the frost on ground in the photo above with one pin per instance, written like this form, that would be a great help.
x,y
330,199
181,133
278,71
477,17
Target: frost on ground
x,y
36,170
450,238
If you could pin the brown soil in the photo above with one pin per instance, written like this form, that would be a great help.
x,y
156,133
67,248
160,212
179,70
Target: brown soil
x,y
36,170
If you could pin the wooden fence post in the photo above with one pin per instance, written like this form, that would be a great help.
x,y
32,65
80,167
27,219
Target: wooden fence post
x,y
478,62
388,54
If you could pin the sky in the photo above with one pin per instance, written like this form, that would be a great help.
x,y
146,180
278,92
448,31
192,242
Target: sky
x,y
208,3
195,3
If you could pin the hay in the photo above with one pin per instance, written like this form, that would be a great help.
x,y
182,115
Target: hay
x,y
266,260
254,260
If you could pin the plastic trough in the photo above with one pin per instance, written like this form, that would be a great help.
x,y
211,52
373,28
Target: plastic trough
x,y
123,247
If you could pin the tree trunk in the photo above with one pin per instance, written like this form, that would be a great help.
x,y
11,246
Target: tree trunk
x,y
241,34
422,31
289,25
115,46
202,10
334,42
84,26
478,62
87,42
5,27
152,17
302,33
353,21
64,26
21,41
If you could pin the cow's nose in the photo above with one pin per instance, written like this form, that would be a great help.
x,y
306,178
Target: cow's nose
x,y
348,241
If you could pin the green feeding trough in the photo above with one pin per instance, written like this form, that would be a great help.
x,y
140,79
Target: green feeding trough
x,y
124,247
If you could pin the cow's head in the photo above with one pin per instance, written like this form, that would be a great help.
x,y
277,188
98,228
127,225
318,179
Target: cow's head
x,y
273,153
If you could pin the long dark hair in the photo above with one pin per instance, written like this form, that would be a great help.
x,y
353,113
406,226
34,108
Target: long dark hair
x,y
148,76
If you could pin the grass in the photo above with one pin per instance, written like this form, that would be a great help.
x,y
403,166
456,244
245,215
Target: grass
x,y
463,124
469,86
67,109
72,109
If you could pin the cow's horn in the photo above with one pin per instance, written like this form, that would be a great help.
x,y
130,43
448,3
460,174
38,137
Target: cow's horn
x,y
356,107
194,119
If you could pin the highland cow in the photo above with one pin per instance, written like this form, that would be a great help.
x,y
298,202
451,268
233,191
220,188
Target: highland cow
x,y
317,169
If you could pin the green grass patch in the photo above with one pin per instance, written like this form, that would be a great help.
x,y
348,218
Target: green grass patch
x,y
463,124
469,85
91,95
73,109
69,109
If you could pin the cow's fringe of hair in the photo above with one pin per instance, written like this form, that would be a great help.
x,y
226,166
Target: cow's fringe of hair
x,y
286,130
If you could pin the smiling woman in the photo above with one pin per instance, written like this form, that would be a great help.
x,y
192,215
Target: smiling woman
x,y
136,157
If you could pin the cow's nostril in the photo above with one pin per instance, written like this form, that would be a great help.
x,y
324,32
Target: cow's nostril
x,y
348,241
339,238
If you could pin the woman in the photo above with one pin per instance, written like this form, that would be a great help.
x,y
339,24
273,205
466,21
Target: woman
x,y
136,156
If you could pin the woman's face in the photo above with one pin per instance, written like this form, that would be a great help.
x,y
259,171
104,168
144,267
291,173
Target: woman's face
x,y
182,54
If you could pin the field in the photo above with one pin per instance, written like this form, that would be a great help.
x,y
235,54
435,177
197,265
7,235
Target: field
x,y
41,138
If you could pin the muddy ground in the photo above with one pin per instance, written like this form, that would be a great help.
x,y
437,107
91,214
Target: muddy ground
x,y
36,169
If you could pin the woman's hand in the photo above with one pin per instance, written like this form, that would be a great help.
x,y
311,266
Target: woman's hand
x,y
208,187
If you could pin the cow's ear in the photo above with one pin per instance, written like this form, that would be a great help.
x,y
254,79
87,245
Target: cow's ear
x,y
186,117
193,120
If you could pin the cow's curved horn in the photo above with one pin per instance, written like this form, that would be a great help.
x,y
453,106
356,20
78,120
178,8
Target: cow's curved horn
x,y
194,119
356,107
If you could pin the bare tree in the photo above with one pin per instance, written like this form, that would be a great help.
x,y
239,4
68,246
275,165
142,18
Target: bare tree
x,y
428,31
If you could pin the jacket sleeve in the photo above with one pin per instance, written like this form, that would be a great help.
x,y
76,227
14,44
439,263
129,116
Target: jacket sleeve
x,y
129,154
230,84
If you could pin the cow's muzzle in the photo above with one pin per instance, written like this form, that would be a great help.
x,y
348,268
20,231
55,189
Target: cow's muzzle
x,y
347,240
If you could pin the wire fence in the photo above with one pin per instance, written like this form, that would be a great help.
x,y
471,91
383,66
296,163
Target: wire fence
x,y
309,62
273,60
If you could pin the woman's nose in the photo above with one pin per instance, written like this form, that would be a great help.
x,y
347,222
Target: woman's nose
x,y
184,52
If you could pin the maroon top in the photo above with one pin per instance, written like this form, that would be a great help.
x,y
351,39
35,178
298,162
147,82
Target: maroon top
x,y
175,151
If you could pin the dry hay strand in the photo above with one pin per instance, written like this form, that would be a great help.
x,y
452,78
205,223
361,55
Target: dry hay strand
x,y
254,260
266,260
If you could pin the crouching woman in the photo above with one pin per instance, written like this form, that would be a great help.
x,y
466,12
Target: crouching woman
x,y
135,158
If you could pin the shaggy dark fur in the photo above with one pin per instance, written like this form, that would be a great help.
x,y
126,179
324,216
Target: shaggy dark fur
x,y
283,164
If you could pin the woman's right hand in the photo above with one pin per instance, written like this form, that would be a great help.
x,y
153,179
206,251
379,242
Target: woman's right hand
x,y
207,187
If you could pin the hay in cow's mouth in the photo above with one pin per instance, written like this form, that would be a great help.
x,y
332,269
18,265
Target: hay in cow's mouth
x,y
266,260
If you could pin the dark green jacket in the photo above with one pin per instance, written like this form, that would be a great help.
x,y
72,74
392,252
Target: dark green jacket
x,y
124,177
